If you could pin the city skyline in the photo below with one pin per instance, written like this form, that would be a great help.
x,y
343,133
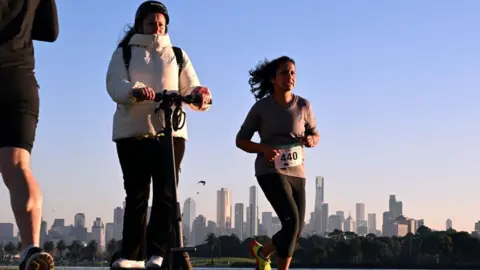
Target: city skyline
x,y
360,217
240,220
393,87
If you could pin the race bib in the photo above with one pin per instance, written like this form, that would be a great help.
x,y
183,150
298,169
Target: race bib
x,y
289,157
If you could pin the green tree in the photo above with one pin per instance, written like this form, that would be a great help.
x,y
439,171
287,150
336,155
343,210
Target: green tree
x,y
92,250
61,247
49,247
10,250
112,247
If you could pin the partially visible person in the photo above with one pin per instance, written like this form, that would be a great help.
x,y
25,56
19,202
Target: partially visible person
x,y
285,123
21,22
145,63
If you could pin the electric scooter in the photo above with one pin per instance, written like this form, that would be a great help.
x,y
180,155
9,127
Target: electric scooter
x,y
174,120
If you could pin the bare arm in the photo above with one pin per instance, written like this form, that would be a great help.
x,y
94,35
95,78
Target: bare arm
x,y
311,125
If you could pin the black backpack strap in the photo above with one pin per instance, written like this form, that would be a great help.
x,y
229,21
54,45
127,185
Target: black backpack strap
x,y
127,55
179,56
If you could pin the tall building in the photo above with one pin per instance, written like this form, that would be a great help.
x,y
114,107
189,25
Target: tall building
x,y
199,230
188,215
349,224
448,224
7,231
224,210
239,218
267,222
324,218
98,233
372,223
335,223
109,232
360,212
319,191
43,232
395,207
476,226
118,213
319,198
253,212
386,223
79,220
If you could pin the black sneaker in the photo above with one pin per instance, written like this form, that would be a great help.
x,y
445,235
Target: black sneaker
x,y
37,259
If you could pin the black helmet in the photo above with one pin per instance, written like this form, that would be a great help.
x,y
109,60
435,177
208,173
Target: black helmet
x,y
148,7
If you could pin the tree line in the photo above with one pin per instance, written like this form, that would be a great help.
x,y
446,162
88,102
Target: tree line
x,y
76,252
424,248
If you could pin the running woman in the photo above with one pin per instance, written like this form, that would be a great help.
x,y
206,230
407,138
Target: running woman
x,y
286,124
21,22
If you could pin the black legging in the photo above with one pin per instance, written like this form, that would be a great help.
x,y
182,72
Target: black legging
x,y
286,194
143,162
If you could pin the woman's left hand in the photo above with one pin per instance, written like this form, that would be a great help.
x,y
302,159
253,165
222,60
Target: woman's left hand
x,y
204,92
308,141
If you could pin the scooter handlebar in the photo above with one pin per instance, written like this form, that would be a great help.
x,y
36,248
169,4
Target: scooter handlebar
x,y
174,97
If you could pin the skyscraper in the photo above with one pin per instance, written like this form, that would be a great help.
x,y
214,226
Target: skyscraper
x,y
448,224
253,212
118,213
224,210
239,217
360,213
372,223
319,197
325,218
188,216
319,191
395,207
267,222
79,220
98,233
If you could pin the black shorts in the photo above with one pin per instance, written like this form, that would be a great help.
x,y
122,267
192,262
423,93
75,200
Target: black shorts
x,y
19,108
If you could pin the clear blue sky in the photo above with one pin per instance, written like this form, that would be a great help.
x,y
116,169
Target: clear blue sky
x,y
394,86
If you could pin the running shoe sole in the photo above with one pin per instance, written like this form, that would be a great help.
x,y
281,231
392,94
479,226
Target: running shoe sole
x,y
40,261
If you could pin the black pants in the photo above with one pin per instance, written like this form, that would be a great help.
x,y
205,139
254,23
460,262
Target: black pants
x,y
145,161
286,194
19,108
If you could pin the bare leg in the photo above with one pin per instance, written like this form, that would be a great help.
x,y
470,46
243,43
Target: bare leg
x,y
283,264
25,194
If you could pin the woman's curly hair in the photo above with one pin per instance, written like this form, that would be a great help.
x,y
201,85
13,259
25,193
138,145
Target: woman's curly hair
x,y
260,77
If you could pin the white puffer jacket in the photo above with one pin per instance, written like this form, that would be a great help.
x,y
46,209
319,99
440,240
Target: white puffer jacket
x,y
153,65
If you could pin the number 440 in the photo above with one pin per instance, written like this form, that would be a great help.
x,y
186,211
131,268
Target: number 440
x,y
289,156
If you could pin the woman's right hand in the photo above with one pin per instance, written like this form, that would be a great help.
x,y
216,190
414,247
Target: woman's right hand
x,y
144,93
270,153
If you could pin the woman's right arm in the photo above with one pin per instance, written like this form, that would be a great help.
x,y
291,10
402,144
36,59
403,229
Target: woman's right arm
x,y
250,125
119,87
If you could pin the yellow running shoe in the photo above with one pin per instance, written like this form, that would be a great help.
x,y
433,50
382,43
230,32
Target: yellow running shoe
x,y
261,264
